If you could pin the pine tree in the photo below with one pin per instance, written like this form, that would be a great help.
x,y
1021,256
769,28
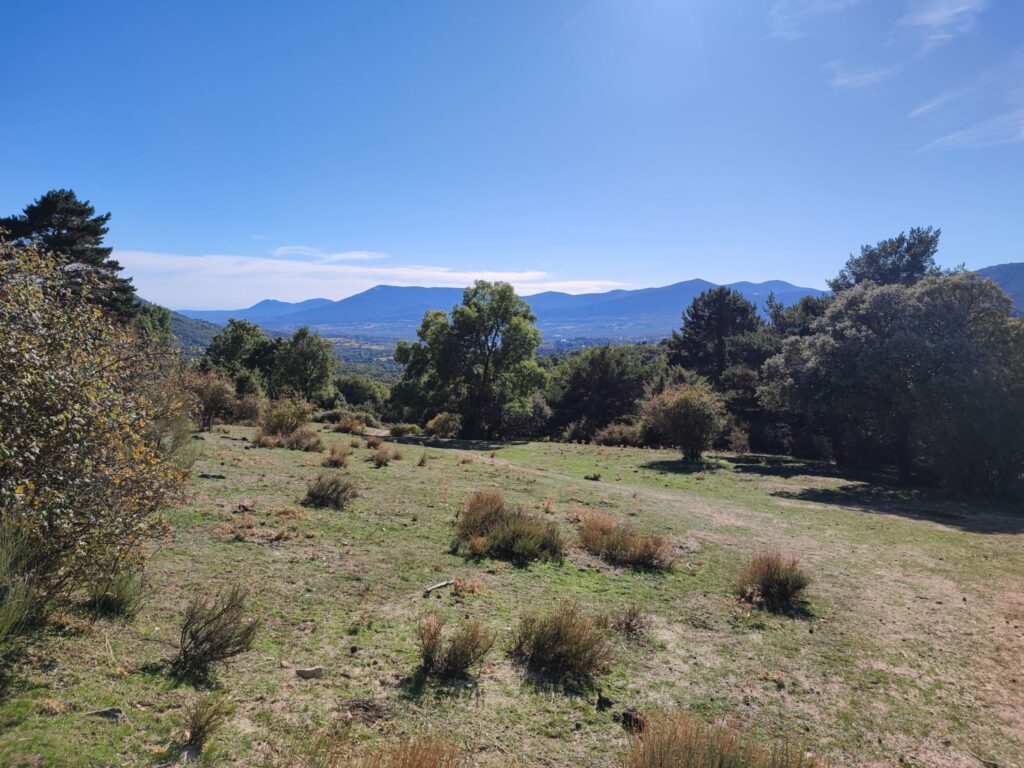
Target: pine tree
x,y
70,230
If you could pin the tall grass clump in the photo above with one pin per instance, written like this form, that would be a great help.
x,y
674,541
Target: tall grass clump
x,y
417,752
451,656
621,544
337,457
334,749
678,740
380,457
488,527
329,490
374,441
16,585
565,643
204,716
772,582
117,595
213,630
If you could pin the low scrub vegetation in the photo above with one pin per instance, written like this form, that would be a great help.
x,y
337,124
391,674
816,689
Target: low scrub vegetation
x,y
488,527
380,457
771,581
631,620
679,740
118,595
283,426
374,441
329,491
350,424
212,631
453,655
337,457
619,434
417,752
685,416
405,430
565,643
444,425
620,544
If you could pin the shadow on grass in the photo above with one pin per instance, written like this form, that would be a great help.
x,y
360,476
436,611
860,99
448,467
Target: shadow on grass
x,y
421,685
971,515
681,466
483,446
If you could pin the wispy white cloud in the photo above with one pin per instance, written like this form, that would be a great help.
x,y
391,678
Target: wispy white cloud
x,y
223,281
846,79
934,103
315,254
939,21
791,19
1002,129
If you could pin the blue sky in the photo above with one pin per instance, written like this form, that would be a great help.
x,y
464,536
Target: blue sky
x,y
289,150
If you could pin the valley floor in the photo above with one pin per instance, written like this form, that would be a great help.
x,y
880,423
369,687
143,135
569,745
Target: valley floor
x,y
910,653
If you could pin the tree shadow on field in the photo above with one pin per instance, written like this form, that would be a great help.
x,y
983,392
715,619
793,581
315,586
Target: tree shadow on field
x,y
681,466
970,515
484,446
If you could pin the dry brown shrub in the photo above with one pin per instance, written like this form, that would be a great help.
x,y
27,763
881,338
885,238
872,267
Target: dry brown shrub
x,y
771,581
620,544
336,457
565,643
374,441
381,457
453,656
330,490
464,587
674,739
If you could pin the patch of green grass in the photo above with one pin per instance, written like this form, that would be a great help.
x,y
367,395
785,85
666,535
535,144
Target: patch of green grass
x,y
912,627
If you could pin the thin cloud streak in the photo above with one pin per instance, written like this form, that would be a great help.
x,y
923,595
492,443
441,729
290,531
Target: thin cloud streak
x,y
224,281
845,79
790,19
934,103
315,254
994,132
939,21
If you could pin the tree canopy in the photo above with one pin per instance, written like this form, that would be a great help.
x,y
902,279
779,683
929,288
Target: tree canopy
x,y
900,260
70,230
476,361
713,317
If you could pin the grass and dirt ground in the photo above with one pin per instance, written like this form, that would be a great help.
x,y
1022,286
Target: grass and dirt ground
x,y
909,652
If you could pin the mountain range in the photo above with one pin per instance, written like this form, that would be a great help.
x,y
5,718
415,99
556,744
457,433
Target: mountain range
x,y
394,312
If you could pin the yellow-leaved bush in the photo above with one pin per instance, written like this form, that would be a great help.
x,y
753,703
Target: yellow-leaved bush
x,y
92,436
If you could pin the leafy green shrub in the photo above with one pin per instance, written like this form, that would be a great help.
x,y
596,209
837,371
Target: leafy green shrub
x,y
444,425
403,430
451,657
330,490
213,394
675,739
303,440
564,643
91,446
619,434
772,582
213,631
487,527
283,417
620,544
117,595
687,416
336,457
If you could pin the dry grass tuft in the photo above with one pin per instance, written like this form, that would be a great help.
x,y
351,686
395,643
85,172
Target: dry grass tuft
x,y
303,440
487,527
374,441
630,621
350,424
336,457
620,544
422,460
330,490
566,643
454,656
772,582
204,716
464,587
677,739
381,457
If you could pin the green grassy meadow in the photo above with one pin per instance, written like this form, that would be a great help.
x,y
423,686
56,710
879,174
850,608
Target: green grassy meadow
x,y
910,652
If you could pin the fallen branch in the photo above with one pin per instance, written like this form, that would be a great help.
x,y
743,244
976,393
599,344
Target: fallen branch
x,y
428,590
